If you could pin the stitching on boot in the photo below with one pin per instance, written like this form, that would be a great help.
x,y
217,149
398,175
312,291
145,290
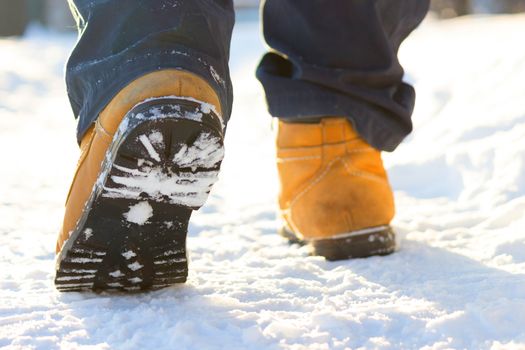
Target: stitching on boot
x,y
324,145
293,159
102,129
355,233
359,150
353,171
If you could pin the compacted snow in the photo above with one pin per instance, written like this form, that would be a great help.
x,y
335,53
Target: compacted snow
x,y
457,281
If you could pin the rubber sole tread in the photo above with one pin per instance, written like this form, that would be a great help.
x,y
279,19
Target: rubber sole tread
x,y
160,167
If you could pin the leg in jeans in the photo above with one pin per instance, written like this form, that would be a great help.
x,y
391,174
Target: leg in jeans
x,y
150,85
120,41
334,62
339,58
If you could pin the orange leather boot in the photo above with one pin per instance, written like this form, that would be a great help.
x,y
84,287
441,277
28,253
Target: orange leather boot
x,y
334,194
149,160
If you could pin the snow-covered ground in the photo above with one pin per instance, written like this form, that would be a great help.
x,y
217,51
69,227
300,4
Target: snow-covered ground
x,y
458,280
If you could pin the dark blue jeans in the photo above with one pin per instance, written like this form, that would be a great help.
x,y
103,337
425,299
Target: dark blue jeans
x,y
328,58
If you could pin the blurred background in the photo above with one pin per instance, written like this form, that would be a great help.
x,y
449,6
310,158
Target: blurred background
x,y
15,15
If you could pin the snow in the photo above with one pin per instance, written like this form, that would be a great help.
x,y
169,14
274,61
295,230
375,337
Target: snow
x,y
183,188
457,281
135,266
149,147
156,138
139,214
88,232
128,254
116,274
205,152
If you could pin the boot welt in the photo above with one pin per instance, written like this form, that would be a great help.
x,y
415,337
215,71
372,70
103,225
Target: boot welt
x,y
364,243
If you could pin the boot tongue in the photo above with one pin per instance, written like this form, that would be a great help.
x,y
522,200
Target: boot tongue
x,y
328,131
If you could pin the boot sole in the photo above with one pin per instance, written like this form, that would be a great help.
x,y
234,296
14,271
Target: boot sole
x,y
161,165
358,244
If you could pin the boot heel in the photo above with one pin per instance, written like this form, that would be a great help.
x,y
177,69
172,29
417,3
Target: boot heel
x,y
358,244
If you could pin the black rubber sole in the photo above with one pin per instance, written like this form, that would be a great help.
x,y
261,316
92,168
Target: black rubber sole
x,y
359,244
160,167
